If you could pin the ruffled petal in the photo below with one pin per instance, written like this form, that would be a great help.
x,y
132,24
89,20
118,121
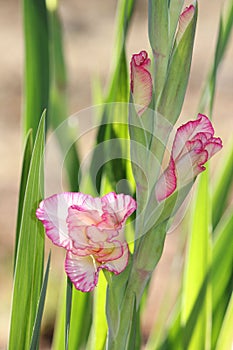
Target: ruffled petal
x,y
53,212
116,209
188,131
100,235
213,146
118,265
82,271
189,166
141,81
167,182
111,251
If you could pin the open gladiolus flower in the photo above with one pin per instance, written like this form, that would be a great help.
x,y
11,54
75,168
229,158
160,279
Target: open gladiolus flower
x,y
92,232
141,81
194,144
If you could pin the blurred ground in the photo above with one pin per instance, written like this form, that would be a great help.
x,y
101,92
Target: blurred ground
x,y
89,33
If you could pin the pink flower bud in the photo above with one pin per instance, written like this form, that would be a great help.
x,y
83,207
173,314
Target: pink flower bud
x,y
141,81
184,20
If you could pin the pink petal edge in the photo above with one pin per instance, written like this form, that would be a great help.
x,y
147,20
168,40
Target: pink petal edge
x,y
167,182
82,272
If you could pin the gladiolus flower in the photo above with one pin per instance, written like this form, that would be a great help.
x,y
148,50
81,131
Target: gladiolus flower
x,y
141,81
193,145
92,232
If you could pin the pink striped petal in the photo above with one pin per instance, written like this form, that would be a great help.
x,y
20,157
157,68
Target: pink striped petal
x,y
213,146
188,131
184,20
141,81
118,265
190,165
53,212
167,182
116,209
82,271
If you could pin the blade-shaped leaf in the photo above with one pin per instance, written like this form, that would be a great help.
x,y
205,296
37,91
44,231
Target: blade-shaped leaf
x,y
36,65
223,186
30,256
224,33
23,184
58,99
158,30
225,340
196,280
222,273
98,332
36,329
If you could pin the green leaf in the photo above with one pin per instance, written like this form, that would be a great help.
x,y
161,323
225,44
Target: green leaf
x,y
68,311
221,191
58,100
30,256
224,33
36,64
98,333
225,339
172,96
22,188
159,40
114,118
196,276
36,329
81,317
222,274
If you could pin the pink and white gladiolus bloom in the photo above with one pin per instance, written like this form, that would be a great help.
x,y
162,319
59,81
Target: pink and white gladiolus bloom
x,y
141,81
92,232
193,146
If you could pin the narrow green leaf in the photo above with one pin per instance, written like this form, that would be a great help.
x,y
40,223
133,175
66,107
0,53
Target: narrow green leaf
x,y
30,256
221,191
22,188
172,97
98,333
81,318
36,329
196,280
159,40
224,33
36,64
225,339
118,91
222,274
58,99
59,329
68,311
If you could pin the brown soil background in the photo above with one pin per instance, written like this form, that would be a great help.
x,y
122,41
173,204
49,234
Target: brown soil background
x,y
88,39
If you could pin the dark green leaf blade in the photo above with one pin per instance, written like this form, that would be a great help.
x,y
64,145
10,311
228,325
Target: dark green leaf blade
x,y
30,256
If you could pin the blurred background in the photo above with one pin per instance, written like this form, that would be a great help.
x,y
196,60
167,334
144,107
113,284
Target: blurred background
x,y
88,43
